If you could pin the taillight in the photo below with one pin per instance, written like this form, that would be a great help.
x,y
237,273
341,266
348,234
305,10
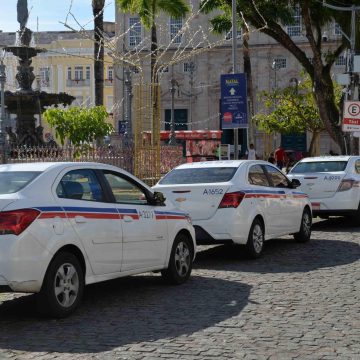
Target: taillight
x,y
16,221
231,200
346,184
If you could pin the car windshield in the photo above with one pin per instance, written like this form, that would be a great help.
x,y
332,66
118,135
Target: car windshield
x,y
318,166
13,181
198,175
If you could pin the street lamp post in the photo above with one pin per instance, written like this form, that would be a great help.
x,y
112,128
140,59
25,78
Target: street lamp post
x,y
174,84
128,99
275,66
2,118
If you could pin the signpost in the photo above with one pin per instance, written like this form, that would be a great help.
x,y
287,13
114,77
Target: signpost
x,y
234,114
351,120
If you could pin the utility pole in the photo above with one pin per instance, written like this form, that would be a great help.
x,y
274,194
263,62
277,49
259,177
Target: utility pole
x,y
234,70
173,83
2,118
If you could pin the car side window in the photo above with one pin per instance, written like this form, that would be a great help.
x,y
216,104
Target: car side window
x,y
257,176
81,184
125,191
357,166
278,179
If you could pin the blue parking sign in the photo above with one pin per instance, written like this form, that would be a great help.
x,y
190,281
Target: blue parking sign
x,y
234,114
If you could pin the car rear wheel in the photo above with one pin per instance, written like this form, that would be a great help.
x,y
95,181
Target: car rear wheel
x,y
255,243
180,262
305,228
355,217
63,286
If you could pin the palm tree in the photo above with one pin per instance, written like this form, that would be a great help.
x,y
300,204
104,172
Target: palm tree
x,y
98,12
148,10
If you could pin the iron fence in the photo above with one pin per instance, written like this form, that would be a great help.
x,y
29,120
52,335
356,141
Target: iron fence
x,y
118,155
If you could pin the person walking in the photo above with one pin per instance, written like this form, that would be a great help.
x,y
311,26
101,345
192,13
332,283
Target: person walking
x,y
271,158
251,153
279,157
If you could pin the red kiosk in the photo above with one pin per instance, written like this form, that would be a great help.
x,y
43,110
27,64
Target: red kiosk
x,y
200,144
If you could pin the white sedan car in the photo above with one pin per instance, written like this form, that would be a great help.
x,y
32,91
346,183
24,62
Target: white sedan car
x,y
65,225
332,183
239,201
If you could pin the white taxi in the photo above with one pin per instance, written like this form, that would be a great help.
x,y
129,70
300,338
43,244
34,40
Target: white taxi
x,y
332,183
65,225
239,201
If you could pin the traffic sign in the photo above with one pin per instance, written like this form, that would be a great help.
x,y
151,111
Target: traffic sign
x,y
351,120
233,101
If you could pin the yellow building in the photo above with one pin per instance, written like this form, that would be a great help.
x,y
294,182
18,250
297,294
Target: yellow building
x,y
67,66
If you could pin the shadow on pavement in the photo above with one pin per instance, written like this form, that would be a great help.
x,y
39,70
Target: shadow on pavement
x,y
336,224
121,312
281,256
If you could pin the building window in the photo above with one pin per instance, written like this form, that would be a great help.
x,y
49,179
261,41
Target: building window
x,y
88,72
229,34
165,69
134,69
79,73
45,76
340,61
135,31
337,30
110,73
279,63
69,73
295,28
175,28
189,67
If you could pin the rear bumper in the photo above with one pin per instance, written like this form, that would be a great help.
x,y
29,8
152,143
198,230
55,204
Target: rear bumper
x,y
341,203
340,212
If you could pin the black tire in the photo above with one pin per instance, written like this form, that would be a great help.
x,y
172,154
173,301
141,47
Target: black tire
x,y
304,233
63,286
255,243
355,217
180,262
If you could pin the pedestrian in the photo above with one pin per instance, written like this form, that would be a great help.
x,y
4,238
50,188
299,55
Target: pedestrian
x,y
251,153
279,157
271,158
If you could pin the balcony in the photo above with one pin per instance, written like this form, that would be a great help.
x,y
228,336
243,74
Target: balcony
x,y
77,82
108,82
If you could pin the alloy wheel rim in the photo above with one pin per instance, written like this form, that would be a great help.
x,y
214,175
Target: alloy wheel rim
x,y
66,285
306,223
182,259
258,238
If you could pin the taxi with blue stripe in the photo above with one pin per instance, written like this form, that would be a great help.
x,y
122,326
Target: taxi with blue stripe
x,y
242,202
66,225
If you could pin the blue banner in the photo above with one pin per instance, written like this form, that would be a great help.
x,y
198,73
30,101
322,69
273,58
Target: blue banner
x,y
233,101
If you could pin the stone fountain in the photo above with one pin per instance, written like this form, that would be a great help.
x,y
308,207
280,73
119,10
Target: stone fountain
x,y
26,102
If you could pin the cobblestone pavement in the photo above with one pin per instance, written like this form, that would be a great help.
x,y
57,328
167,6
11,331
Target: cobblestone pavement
x,y
298,301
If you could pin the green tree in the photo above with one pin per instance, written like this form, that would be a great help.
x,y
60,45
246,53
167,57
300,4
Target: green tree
x,y
81,126
147,11
292,111
268,19
98,12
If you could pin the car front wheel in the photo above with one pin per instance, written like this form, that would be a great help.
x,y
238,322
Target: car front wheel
x,y
180,262
255,243
305,228
63,286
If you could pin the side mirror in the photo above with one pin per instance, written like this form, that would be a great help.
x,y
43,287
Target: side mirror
x,y
295,183
158,198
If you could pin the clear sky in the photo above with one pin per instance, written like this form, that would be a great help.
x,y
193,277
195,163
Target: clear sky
x,y
47,15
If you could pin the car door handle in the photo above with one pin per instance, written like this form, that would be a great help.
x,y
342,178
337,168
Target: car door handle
x,y
128,218
80,219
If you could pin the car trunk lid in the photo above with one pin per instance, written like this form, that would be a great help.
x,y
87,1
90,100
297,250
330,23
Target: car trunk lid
x,y
201,201
320,185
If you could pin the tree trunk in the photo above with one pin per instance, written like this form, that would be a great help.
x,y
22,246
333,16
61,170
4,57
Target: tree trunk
x,y
98,8
154,51
314,138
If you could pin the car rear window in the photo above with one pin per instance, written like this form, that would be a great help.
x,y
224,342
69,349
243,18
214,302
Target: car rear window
x,y
198,175
14,181
318,166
